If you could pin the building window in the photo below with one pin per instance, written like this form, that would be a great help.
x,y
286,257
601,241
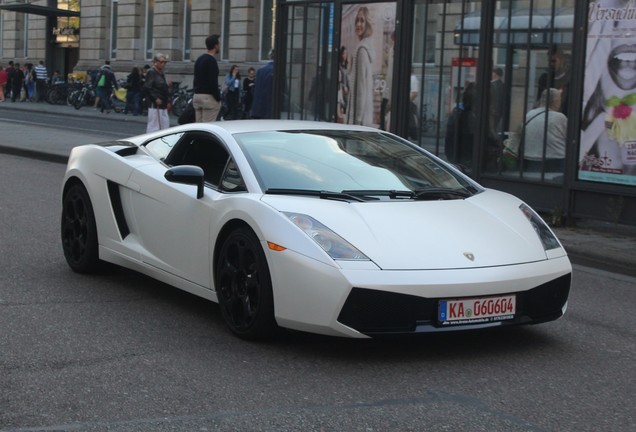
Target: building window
x,y
113,29
25,37
267,25
1,34
150,15
187,22
225,34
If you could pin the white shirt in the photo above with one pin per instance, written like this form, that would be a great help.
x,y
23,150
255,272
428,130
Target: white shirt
x,y
535,135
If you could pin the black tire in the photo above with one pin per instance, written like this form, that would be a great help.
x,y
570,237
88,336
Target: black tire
x,y
79,231
244,286
57,96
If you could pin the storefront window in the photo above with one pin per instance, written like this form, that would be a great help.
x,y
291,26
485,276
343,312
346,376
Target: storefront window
x,y
442,114
531,66
308,86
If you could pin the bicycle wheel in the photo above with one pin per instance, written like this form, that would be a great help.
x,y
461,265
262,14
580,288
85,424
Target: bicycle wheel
x,y
78,99
178,105
72,98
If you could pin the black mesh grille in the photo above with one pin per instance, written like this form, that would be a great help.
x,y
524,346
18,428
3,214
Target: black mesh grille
x,y
376,312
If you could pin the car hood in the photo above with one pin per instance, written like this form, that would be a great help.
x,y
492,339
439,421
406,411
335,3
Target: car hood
x,y
485,230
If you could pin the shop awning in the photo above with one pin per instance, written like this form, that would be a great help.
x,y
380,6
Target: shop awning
x,y
38,10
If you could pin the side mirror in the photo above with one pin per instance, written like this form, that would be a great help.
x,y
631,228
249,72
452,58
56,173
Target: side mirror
x,y
187,174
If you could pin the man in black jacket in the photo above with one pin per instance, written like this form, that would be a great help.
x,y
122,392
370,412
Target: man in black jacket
x,y
207,98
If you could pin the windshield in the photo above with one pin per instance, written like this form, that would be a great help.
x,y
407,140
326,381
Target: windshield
x,y
345,161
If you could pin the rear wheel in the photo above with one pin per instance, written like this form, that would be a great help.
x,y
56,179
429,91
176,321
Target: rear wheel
x,y
244,286
79,230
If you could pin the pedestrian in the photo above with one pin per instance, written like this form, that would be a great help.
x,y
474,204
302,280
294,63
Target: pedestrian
x,y
55,78
3,82
157,93
9,87
92,77
233,93
460,130
264,90
248,90
17,79
557,76
29,83
495,120
207,98
133,91
106,81
41,77
541,150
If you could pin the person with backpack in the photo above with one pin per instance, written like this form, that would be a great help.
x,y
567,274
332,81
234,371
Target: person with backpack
x,y
106,81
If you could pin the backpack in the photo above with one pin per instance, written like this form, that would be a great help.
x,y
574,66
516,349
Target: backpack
x,y
101,82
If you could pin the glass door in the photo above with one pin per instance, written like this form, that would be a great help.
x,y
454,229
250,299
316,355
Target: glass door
x,y
445,54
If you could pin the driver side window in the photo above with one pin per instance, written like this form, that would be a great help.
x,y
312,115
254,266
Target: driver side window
x,y
206,151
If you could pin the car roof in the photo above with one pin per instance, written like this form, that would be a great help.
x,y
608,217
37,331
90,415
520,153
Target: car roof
x,y
242,126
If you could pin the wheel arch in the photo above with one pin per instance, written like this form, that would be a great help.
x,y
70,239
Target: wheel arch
x,y
229,227
72,181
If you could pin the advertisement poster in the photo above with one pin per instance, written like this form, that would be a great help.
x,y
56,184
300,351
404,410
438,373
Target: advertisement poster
x,y
367,38
608,135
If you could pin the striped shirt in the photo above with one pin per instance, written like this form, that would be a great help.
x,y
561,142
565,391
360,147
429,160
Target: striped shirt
x,y
40,72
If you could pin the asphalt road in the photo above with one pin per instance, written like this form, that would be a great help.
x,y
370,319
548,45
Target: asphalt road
x,y
121,352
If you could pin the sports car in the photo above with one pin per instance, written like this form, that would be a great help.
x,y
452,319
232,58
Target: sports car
x,y
319,227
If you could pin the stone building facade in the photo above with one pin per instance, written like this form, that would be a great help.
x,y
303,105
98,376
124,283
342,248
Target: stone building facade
x,y
129,32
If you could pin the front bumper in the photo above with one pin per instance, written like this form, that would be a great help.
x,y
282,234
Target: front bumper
x,y
374,312
363,302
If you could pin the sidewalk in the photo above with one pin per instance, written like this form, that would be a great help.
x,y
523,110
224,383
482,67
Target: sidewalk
x,y
602,245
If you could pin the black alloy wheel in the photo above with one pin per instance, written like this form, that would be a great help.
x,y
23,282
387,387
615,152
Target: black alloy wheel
x,y
79,230
244,287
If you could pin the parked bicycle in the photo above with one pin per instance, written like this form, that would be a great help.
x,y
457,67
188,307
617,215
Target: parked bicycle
x,y
180,98
83,96
57,94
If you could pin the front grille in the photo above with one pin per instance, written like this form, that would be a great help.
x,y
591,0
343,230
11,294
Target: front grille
x,y
380,312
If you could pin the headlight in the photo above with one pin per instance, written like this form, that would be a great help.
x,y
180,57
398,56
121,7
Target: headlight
x,y
337,247
548,239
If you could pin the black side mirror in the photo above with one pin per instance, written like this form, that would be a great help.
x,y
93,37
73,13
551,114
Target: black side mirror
x,y
187,174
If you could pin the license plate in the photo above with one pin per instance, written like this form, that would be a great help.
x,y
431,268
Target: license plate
x,y
476,310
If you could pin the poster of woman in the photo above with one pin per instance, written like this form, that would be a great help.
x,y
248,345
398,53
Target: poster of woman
x,y
365,33
608,135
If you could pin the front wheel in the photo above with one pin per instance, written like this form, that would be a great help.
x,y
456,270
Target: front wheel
x,y
79,230
78,101
244,287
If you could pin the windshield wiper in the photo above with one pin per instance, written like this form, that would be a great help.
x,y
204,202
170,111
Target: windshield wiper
x,y
372,193
440,193
338,196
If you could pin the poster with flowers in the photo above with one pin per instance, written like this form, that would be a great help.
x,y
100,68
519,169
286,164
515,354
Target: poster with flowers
x,y
608,127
